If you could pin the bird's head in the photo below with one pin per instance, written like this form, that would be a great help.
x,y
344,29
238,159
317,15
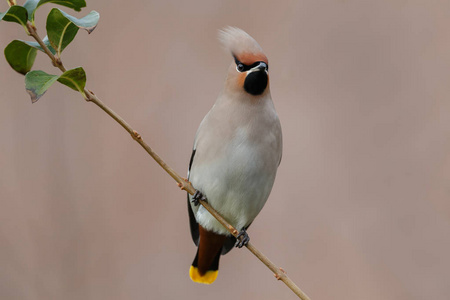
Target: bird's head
x,y
249,72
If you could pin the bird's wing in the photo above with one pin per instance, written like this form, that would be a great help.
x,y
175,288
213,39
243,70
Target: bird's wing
x,y
195,234
192,221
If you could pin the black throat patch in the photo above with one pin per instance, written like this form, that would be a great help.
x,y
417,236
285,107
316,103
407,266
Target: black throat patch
x,y
256,82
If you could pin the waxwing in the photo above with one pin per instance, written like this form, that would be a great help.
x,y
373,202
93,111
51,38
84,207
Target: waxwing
x,y
236,153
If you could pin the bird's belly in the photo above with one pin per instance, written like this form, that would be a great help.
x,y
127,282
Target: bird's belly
x,y
237,185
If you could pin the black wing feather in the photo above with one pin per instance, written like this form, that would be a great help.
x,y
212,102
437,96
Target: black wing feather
x,y
191,160
192,221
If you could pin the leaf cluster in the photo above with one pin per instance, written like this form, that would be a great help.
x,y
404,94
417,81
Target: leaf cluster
x,y
61,31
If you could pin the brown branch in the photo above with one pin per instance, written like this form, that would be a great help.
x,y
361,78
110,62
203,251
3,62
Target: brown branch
x,y
279,273
55,61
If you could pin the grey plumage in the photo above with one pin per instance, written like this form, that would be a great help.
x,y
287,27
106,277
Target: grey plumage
x,y
238,145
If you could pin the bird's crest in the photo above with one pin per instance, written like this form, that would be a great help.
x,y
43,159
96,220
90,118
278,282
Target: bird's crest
x,y
241,45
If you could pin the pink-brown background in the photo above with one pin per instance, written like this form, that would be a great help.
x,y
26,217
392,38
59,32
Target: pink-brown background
x,y
361,205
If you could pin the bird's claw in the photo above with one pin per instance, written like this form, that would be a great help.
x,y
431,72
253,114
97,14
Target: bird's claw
x,y
197,197
242,239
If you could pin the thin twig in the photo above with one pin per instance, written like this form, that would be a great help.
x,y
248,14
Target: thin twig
x,y
279,273
55,61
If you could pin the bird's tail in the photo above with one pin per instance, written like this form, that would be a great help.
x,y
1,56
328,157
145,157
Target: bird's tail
x,y
200,274
205,266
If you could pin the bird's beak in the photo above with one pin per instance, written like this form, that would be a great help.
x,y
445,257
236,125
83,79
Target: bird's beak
x,y
261,67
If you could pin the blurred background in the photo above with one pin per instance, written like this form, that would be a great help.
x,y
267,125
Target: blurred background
x,y
361,204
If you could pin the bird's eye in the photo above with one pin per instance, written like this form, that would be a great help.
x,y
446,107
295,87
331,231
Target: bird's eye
x,y
240,67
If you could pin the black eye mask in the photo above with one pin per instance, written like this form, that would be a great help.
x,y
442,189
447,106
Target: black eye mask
x,y
243,68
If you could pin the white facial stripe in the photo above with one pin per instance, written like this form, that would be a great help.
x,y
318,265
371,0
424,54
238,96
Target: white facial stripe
x,y
257,69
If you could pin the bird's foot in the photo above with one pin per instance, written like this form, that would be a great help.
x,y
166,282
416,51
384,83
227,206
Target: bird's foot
x,y
197,197
242,239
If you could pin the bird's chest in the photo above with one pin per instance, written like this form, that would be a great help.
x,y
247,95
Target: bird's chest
x,y
245,155
238,167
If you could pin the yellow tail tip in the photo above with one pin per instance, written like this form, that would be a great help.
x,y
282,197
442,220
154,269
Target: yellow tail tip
x,y
207,278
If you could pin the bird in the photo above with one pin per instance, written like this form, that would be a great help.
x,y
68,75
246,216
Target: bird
x,y
237,150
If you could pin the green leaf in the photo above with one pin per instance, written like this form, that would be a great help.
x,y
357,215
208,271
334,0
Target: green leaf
x,y
88,22
17,14
33,5
37,83
20,56
62,28
75,79
37,46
